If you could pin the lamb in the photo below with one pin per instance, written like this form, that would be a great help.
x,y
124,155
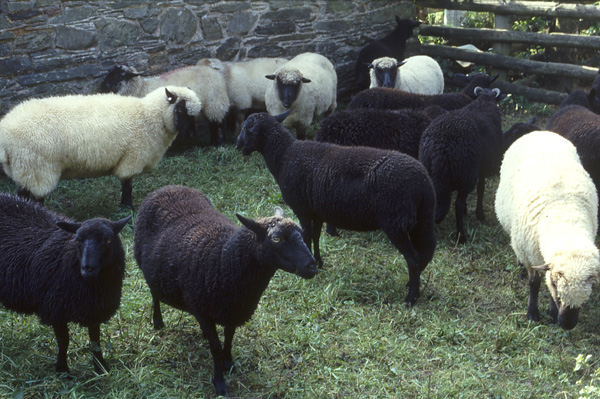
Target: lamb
x,y
60,270
391,45
292,89
355,188
387,98
548,205
195,259
208,84
45,140
246,84
419,74
459,150
582,127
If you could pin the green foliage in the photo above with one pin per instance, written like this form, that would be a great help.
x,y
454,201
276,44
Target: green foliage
x,y
532,24
474,19
344,334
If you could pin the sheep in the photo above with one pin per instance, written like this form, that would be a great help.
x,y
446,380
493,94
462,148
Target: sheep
x,y
547,204
419,74
582,127
195,259
459,150
589,100
45,140
246,84
292,89
387,98
355,188
60,270
391,45
518,130
208,84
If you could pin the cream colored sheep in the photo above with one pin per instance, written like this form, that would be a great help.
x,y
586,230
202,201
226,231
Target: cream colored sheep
x,y
419,74
307,86
208,84
46,140
548,205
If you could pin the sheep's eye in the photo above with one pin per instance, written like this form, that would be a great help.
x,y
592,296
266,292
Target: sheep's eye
x,y
108,241
275,239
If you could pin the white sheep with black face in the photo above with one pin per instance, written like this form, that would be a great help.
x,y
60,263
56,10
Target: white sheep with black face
x,y
419,74
548,204
43,141
307,86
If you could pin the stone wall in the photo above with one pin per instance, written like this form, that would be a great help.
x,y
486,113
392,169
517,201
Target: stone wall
x,y
50,47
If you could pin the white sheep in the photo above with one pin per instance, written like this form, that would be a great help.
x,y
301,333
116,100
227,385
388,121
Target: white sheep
x,y
208,84
307,86
419,74
246,84
548,204
45,140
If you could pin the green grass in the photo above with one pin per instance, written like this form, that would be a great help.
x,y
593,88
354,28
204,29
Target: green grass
x,y
344,334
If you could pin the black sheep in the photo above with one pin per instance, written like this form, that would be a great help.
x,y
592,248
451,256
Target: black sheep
x,y
518,130
354,188
582,127
459,150
388,98
391,45
195,259
588,99
60,270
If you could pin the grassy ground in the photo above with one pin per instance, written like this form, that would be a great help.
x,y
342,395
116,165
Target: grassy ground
x,y
344,334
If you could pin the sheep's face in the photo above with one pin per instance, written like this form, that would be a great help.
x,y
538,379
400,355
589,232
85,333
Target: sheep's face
x,y
570,288
249,139
97,239
288,83
116,78
281,243
186,106
384,72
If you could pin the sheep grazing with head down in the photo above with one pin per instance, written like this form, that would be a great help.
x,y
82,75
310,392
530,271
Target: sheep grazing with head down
x,y
419,74
391,45
246,84
45,140
548,205
388,98
354,188
60,270
208,84
307,86
459,150
195,259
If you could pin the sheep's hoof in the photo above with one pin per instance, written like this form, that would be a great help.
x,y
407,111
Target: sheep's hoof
x,y
100,366
220,387
461,238
533,315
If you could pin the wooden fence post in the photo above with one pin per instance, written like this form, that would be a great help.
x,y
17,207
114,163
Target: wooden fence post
x,y
501,22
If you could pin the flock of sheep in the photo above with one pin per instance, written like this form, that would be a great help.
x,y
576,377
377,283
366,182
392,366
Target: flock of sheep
x,y
391,161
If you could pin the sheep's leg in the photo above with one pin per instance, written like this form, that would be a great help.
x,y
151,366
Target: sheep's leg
x,y
460,207
553,310
402,242
24,193
62,338
227,357
217,134
480,190
126,189
307,235
157,318
424,241
535,280
210,332
300,132
100,364
317,225
331,230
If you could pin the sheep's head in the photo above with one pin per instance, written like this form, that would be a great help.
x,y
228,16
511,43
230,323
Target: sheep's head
x,y
471,81
517,131
116,78
288,82
405,27
488,94
384,72
251,137
281,243
186,106
97,240
570,278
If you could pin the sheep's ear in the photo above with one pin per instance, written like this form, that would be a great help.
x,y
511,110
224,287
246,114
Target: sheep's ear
x,y
281,117
69,227
279,212
305,80
119,224
542,268
270,77
253,226
492,78
171,98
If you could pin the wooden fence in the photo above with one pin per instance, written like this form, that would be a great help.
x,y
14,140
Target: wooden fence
x,y
501,58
